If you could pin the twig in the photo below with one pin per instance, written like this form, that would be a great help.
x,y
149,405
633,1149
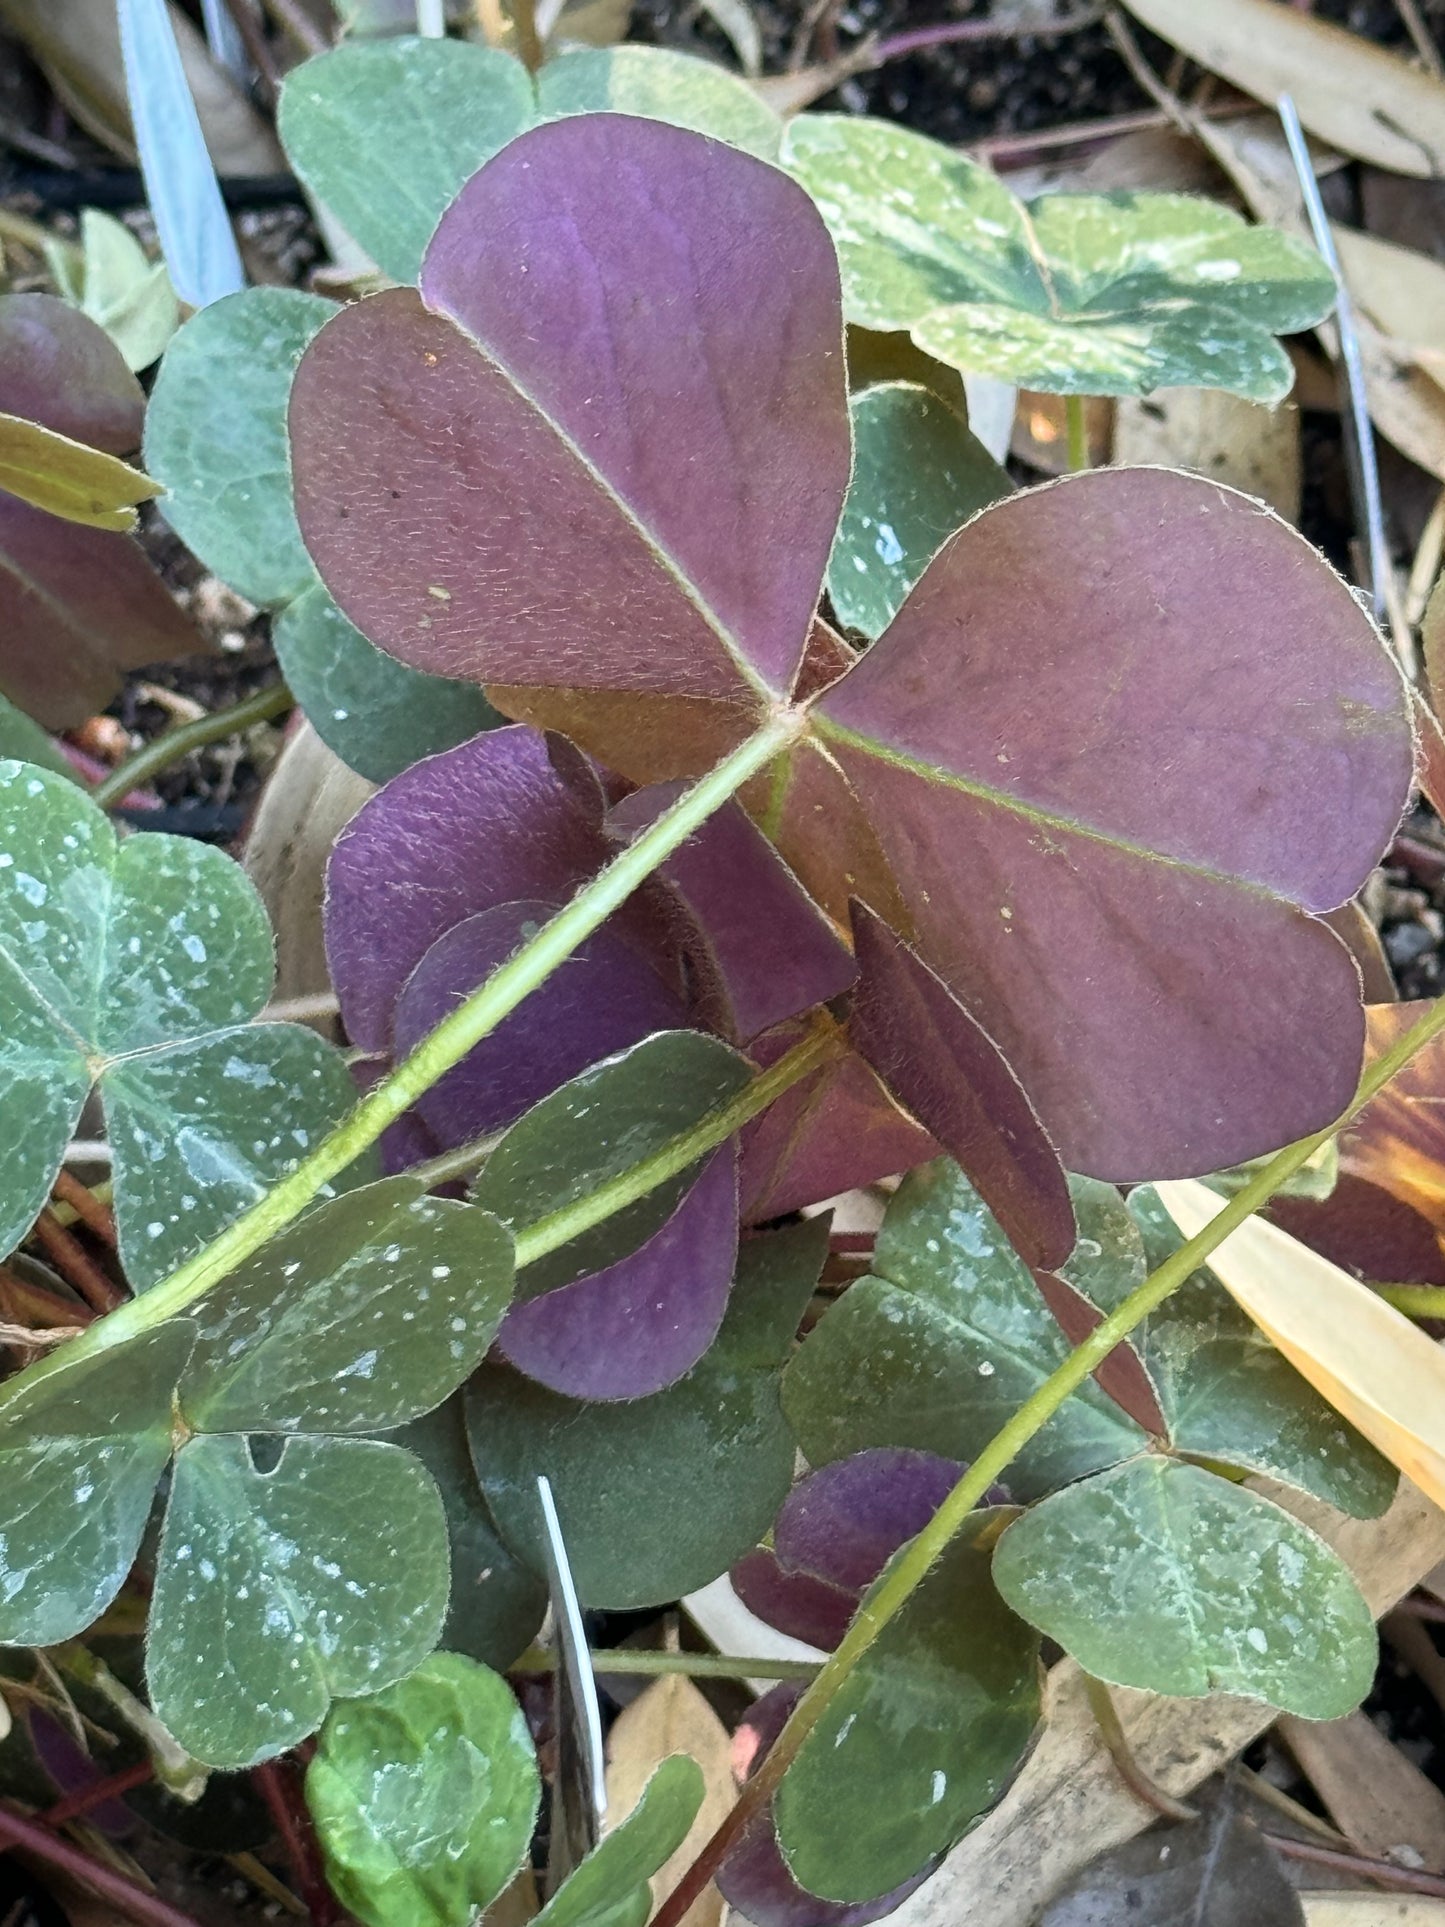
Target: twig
x,y
258,51
276,1785
1111,1732
1127,48
20,1299
42,1844
1384,1871
1420,34
300,1010
96,1216
87,1797
897,46
175,743
75,1264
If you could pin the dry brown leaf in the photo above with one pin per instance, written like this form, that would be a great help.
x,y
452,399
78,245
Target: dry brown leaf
x,y
1069,1803
1372,1910
1366,1358
1243,443
1350,92
673,1717
308,798
1402,291
1376,1797
1398,1140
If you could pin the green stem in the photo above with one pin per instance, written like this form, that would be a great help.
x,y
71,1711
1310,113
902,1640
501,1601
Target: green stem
x,y
619,1661
445,1046
1078,429
917,1558
1416,1301
169,748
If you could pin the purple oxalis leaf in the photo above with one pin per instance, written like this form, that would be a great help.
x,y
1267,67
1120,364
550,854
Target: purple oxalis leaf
x,y
489,822
775,952
642,1323
1124,733
592,303
61,369
947,1070
754,1879
832,1132
835,1532
605,998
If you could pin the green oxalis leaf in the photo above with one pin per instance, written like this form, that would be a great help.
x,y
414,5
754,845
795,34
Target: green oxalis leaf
x,y
951,1335
387,132
1160,1575
921,1738
918,474
610,1887
425,1796
660,1495
216,436
135,967
277,1591
613,1116
81,1448
1107,294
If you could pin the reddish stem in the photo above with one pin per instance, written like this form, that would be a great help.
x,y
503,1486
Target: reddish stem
x,y
75,1264
23,1302
87,1206
39,1841
86,1797
1383,1871
277,1785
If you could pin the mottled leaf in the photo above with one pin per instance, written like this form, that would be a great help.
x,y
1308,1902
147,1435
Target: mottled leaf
x,y
939,1712
918,474
385,132
1212,1872
1102,294
1159,1575
607,1885
201,1131
377,715
366,1313
497,1605
425,1795
658,84
58,368
946,1070
943,1345
834,1533
216,437
69,478
81,1448
106,949
615,1115
648,510
1230,1395
658,1496
1109,815
276,1590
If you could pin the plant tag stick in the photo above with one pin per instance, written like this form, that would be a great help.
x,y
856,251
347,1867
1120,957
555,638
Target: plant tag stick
x,y
1360,438
580,1799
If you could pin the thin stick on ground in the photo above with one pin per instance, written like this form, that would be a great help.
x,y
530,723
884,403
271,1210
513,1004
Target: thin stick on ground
x,y
41,1844
94,1215
75,1264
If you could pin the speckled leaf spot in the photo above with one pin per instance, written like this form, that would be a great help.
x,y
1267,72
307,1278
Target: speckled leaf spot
x,y
1084,294
365,1315
1160,1575
136,966
274,1591
82,1443
425,1796
939,1710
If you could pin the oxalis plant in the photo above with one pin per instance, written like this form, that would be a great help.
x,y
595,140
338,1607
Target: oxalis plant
x,y
697,917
